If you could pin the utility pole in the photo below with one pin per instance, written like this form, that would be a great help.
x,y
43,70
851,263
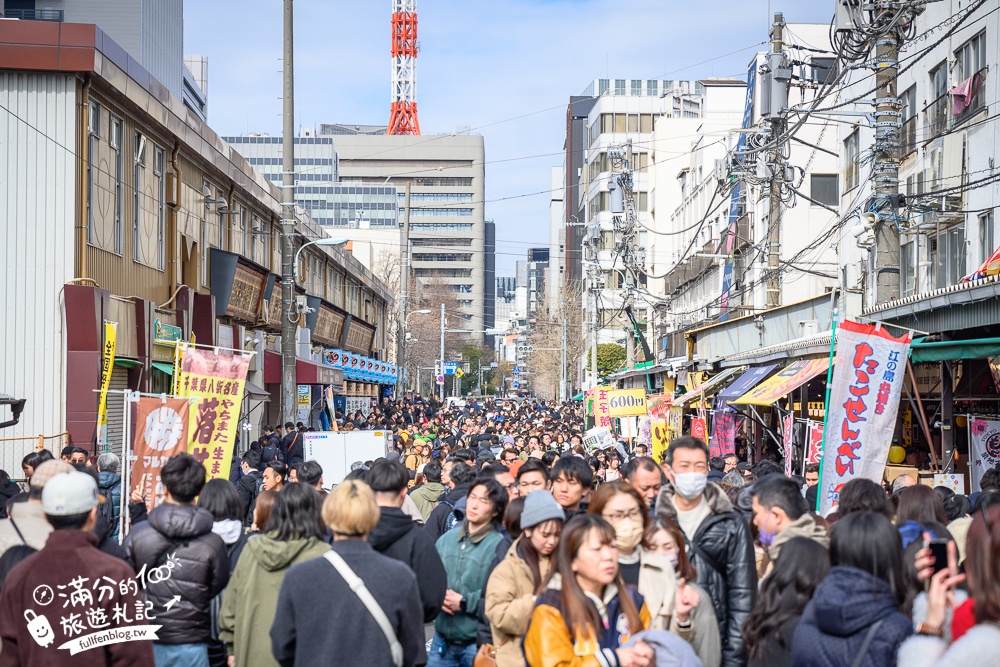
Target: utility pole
x,y
593,274
404,289
441,367
289,327
777,90
887,129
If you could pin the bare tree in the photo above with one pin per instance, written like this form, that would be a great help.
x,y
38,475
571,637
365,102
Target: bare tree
x,y
423,344
545,364
386,268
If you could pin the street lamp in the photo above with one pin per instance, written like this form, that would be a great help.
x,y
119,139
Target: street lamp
x,y
401,349
328,241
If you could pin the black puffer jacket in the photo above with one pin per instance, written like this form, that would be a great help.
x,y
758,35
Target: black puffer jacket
x,y
437,522
396,536
722,552
202,570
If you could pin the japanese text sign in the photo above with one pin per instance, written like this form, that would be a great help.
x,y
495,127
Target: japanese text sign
x,y
861,416
601,409
161,431
627,402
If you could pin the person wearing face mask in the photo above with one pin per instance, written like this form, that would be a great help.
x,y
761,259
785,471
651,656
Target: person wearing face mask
x,y
717,540
670,602
779,514
664,539
520,577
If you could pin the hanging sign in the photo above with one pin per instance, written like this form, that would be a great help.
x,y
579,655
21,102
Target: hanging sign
x,y
789,442
723,433
161,431
984,448
627,402
107,366
815,442
698,428
867,381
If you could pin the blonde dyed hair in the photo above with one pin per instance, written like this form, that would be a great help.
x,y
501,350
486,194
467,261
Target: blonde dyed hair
x,y
350,509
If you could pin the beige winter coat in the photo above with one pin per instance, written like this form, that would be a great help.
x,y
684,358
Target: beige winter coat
x,y
658,586
804,526
510,600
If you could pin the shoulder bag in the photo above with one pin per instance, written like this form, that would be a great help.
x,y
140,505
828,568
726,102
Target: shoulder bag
x,y
367,599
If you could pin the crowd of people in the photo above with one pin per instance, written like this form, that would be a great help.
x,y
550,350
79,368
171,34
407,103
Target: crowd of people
x,y
492,523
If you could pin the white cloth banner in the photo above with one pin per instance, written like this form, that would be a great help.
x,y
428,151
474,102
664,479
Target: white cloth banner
x,y
867,380
789,442
984,448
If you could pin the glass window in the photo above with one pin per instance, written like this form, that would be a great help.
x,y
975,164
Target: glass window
x,y
937,111
988,237
908,132
602,86
607,122
633,122
851,161
970,59
823,69
823,189
636,87
93,135
646,122
946,253
619,86
161,204
907,267
651,88
620,122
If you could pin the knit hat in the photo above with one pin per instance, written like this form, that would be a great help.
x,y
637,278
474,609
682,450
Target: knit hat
x,y
45,471
69,494
540,506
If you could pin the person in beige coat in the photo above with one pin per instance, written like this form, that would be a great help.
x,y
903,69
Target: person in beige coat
x,y
521,575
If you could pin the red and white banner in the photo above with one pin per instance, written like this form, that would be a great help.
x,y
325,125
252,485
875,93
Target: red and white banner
x,y
861,417
815,442
984,448
161,431
788,425
698,428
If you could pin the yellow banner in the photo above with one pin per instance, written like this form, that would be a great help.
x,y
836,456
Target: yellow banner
x,y
216,379
660,438
627,402
600,409
107,365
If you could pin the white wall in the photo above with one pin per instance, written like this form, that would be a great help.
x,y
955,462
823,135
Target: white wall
x,y
37,203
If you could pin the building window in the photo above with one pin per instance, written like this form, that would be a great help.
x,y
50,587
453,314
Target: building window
x,y
93,136
937,111
851,161
907,267
161,205
970,59
619,86
636,87
988,237
138,189
116,148
651,88
908,132
823,189
824,70
207,234
602,86
946,254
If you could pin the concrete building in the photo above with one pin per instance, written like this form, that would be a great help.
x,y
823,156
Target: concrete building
x,y
151,32
149,220
449,235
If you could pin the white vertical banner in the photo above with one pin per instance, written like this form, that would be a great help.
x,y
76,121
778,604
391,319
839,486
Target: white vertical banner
x,y
788,424
868,374
984,448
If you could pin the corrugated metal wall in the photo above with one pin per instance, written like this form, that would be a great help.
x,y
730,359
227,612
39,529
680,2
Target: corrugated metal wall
x,y
38,136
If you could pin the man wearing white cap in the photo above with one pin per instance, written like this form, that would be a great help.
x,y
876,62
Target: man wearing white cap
x,y
27,525
70,591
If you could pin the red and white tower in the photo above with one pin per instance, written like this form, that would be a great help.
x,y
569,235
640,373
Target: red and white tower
x,y
403,117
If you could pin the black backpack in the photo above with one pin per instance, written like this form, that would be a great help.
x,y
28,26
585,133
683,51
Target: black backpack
x,y
258,486
108,512
271,453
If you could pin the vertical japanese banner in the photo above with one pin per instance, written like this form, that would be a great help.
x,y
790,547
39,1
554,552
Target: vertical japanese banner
x,y
304,403
161,431
602,407
724,432
984,448
660,438
698,429
217,380
815,442
788,442
867,380
107,366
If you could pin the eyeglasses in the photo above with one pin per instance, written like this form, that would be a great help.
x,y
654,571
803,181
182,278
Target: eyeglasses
x,y
615,517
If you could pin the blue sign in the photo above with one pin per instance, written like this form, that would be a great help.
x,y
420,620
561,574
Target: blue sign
x,y
450,367
517,370
515,384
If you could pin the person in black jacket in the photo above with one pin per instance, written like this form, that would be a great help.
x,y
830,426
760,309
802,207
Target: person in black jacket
x,y
250,485
291,445
180,532
397,536
461,477
717,540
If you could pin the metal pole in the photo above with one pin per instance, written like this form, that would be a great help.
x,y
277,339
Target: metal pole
x,y
404,288
887,127
596,321
773,286
562,378
289,327
441,368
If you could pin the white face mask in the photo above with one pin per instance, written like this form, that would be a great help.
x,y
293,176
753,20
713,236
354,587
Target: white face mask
x,y
690,485
673,558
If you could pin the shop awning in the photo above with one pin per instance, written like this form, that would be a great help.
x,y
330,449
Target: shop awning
x,y
922,350
306,372
255,392
163,367
127,363
744,383
785,382
708,388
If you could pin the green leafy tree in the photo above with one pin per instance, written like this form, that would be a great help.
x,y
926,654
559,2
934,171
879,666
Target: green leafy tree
x,y
610,358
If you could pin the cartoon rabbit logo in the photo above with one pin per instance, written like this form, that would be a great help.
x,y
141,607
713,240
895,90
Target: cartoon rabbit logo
x,y
39,628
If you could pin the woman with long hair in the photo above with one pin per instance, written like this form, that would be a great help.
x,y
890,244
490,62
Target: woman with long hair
x,y
587,612
664,539
767,634
293,533
978,646
262,509
520,577
861,610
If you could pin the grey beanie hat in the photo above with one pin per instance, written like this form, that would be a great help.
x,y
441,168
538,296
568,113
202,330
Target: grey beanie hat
x,y
540,506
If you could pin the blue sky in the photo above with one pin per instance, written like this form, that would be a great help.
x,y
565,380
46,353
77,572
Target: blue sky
x,y
505,68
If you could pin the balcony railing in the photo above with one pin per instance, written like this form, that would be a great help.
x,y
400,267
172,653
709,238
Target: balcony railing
x,y
35,14
940,113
